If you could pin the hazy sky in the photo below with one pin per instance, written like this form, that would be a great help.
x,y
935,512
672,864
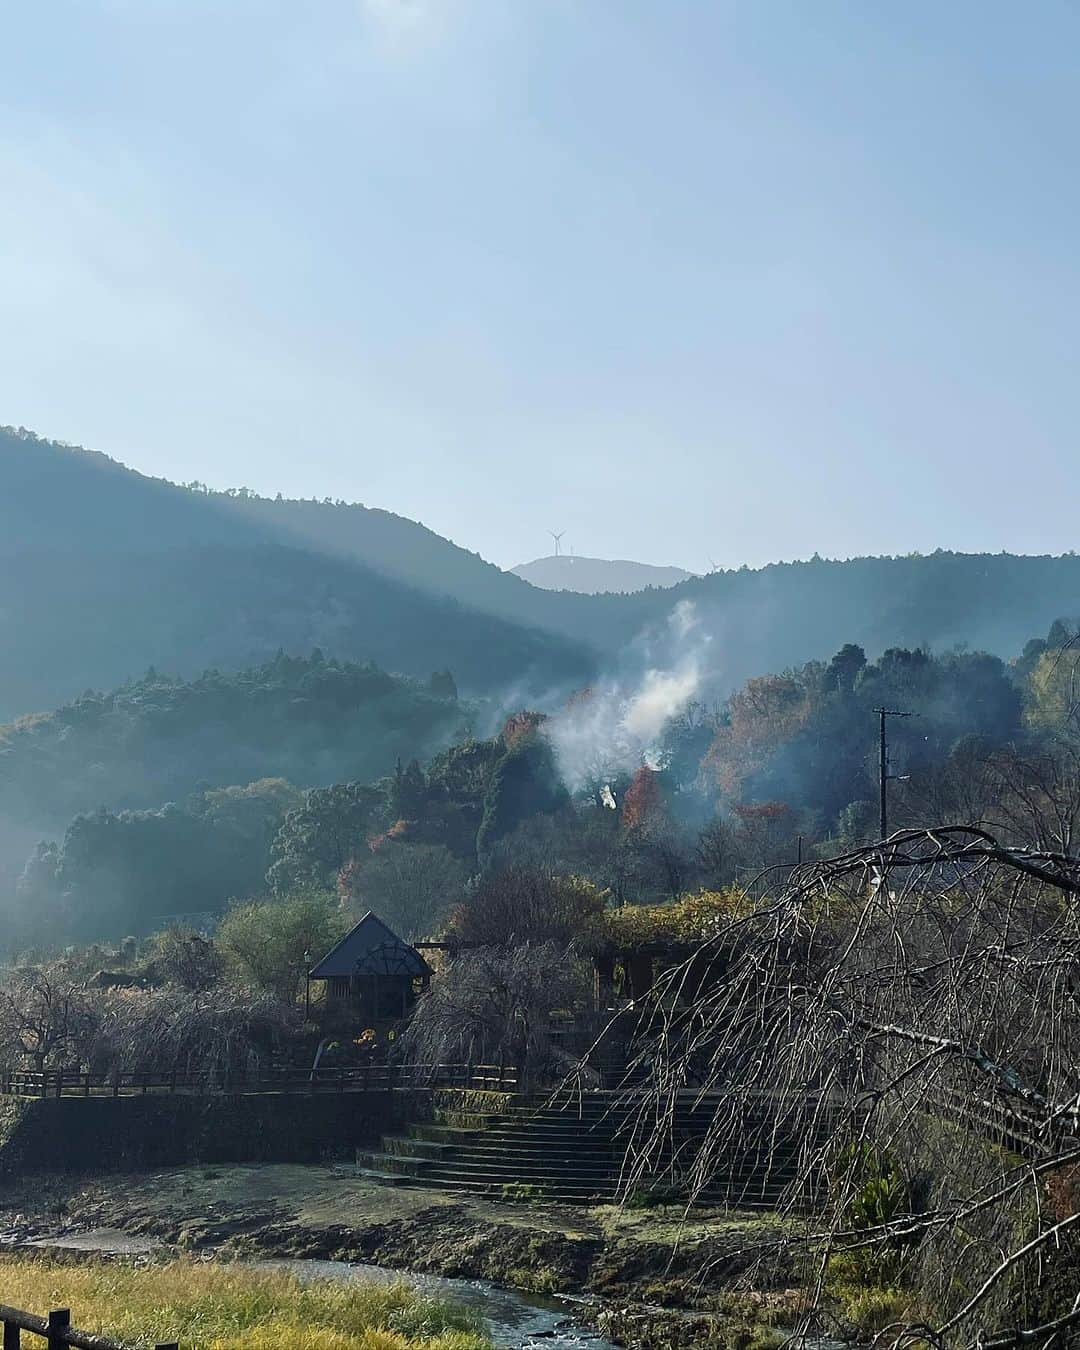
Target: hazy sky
x,y
689,279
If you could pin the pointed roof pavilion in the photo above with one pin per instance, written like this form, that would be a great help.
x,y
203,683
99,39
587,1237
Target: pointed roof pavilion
x,y
371,948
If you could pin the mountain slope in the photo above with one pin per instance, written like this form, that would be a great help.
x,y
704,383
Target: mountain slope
x,y
595,576
311,721
106,571
757,620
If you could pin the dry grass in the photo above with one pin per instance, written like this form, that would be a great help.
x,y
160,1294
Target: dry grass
x,y
221,1307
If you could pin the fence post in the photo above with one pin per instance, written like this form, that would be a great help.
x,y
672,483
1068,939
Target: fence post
x,y
86,1084
59,1082
11,1336
59,1321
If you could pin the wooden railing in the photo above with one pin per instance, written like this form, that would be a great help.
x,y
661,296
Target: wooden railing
x,y
354,1078
1025,1131
56,1330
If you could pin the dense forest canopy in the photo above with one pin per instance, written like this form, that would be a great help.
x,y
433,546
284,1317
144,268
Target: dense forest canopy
x,y
311,720
785,767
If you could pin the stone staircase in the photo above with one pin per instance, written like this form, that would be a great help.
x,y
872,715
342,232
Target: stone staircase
x,y
572,1153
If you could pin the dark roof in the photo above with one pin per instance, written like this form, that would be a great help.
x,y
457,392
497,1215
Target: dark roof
x,y
370,949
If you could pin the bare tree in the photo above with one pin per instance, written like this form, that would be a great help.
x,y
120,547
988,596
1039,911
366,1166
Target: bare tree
x,y
897,1032
49,1020
1039,794
217,1033
187,959
496,1005
45,1016
527,905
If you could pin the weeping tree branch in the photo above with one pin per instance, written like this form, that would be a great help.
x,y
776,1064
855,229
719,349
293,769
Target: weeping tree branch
x,y
906,1015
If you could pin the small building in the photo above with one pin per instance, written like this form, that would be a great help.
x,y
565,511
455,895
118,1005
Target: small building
x,y
371,974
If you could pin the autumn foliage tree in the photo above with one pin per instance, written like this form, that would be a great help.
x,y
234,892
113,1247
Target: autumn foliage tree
x,y
762,715
643,807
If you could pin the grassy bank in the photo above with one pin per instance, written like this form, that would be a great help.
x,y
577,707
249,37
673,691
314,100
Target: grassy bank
x,y
214,1307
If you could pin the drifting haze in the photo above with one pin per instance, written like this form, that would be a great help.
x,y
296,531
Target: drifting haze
x,y
614,727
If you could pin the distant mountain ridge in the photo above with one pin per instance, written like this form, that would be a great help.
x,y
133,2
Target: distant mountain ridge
x,y
107,571
597,576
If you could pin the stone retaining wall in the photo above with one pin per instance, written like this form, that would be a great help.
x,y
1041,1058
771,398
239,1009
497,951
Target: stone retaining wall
x,y
98,1134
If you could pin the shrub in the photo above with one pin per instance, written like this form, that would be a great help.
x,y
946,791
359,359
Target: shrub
x,y
270,943
521,1191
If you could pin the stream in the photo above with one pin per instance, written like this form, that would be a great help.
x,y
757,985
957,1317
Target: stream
x,y
513,1320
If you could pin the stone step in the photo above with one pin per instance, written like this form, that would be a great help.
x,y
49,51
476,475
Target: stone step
x,y
382,1178
694,1123
453,1119
575,1129
538,1153
414,1148
450,1134
525,1153
556,1133
572,1152
698,1121
394,1164
511,1168
584,1176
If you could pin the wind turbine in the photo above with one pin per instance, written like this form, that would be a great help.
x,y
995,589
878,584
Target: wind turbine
x,y
558,541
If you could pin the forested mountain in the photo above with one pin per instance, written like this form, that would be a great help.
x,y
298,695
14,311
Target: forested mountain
x,y
157,739
106,572
785,767
760,619
596,576
120,758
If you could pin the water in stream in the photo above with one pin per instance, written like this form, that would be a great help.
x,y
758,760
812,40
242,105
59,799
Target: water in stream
x,y
513,1320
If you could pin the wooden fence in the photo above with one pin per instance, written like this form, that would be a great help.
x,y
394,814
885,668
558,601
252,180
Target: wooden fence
x,y
56,1331
1029,1132
355,1078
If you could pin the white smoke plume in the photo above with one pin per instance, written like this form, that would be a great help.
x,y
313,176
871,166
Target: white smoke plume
x,y
616,727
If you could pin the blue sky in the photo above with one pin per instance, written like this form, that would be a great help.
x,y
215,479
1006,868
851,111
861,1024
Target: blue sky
x,y
690,280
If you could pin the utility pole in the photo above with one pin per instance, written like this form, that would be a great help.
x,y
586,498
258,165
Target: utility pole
x,y
884,776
